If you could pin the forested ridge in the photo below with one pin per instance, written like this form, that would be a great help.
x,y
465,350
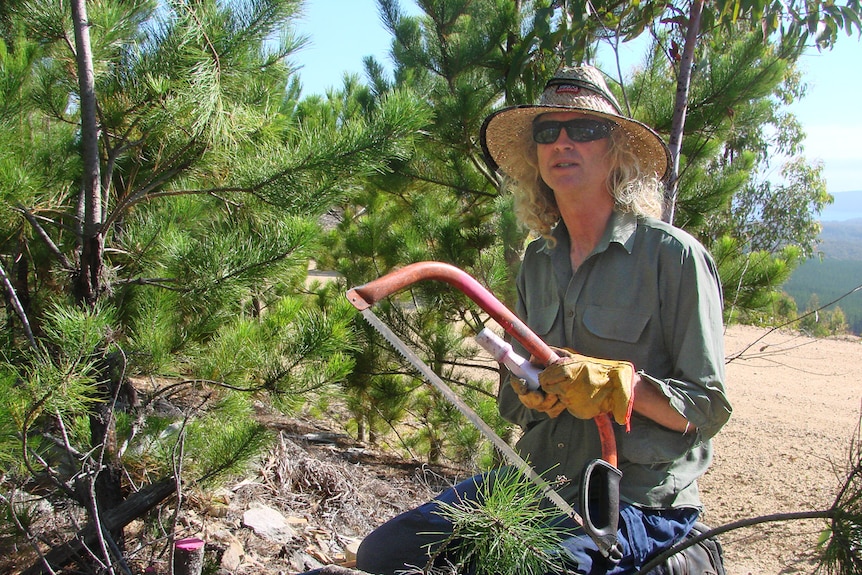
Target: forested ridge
x,y
841,240
833,273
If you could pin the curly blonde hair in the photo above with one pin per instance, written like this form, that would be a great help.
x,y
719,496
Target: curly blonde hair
x,y
633,190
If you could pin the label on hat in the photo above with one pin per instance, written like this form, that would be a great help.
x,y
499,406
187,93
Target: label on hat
x,y
568,89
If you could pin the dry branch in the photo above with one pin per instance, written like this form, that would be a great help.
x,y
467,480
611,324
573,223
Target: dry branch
x,y
135,506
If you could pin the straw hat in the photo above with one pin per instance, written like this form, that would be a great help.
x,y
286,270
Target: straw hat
x,y
507,136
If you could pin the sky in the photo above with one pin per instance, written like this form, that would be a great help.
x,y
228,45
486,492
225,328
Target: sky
x,y
342,32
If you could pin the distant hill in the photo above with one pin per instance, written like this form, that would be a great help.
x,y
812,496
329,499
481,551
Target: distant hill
x,y
841,240
830,279
837,269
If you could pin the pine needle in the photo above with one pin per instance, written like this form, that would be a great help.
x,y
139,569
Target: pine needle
x,y
505,530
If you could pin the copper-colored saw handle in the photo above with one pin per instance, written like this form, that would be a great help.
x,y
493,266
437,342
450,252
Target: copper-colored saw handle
x,y
364,296
367,295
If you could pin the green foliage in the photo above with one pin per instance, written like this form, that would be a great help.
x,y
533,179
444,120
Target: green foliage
x,y
438,203
772,216
55,387
506,530
12,410
819,322
757,230
226,440
80,333
152,334
61,379
841,241
196,244
468,445
384,393
154,447
839,543
292,351
752,277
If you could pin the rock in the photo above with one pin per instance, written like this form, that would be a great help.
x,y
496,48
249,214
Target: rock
x,y
301,562
326,438
233,555
350,550
268,523
30,505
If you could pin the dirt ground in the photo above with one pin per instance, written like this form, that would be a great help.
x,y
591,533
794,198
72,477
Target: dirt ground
x,y
787,447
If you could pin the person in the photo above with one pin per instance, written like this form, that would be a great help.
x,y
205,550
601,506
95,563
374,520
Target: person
x,y
632,302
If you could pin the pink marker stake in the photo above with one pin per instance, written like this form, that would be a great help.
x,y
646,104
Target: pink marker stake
x,y
188,556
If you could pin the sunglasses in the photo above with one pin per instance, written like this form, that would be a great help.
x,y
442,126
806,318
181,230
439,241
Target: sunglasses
x,y
578,130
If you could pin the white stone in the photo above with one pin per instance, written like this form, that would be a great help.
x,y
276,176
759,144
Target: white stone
x,y
268,523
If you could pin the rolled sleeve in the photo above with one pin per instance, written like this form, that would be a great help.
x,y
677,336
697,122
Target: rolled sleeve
x,y
694,332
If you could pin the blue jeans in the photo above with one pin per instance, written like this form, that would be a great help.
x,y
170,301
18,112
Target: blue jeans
x,y
408,539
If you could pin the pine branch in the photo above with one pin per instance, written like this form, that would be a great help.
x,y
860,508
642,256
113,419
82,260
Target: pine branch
x,y
46,239
16,305
176,165
158,282
505,530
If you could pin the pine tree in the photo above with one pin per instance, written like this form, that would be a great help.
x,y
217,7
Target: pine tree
x,y
160,198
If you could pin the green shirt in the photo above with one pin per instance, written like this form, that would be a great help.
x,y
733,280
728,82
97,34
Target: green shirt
x,y
650,294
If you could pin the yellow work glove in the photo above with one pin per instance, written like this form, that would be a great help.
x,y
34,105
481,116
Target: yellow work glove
x,y
537,399
589,386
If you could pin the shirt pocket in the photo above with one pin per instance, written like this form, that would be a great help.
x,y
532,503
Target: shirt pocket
x,y
541,318
651,444
624,325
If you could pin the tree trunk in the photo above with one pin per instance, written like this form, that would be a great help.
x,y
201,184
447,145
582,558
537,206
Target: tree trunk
x,y
89,280
683,82
117,395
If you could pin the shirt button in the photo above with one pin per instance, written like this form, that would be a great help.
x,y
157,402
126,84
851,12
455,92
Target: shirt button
x,y
571,313
561,445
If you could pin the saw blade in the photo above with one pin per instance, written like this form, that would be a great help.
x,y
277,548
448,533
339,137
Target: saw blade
x,y
510,454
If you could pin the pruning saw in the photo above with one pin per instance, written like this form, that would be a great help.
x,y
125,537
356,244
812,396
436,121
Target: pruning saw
x,y
602,474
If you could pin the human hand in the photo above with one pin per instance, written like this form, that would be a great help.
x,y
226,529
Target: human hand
x,y
538,399
589,386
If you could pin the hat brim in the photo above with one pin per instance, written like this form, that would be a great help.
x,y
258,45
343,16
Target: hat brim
x,y
507,134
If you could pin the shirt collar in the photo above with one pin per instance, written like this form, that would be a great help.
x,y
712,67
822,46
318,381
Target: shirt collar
x,y
621,229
